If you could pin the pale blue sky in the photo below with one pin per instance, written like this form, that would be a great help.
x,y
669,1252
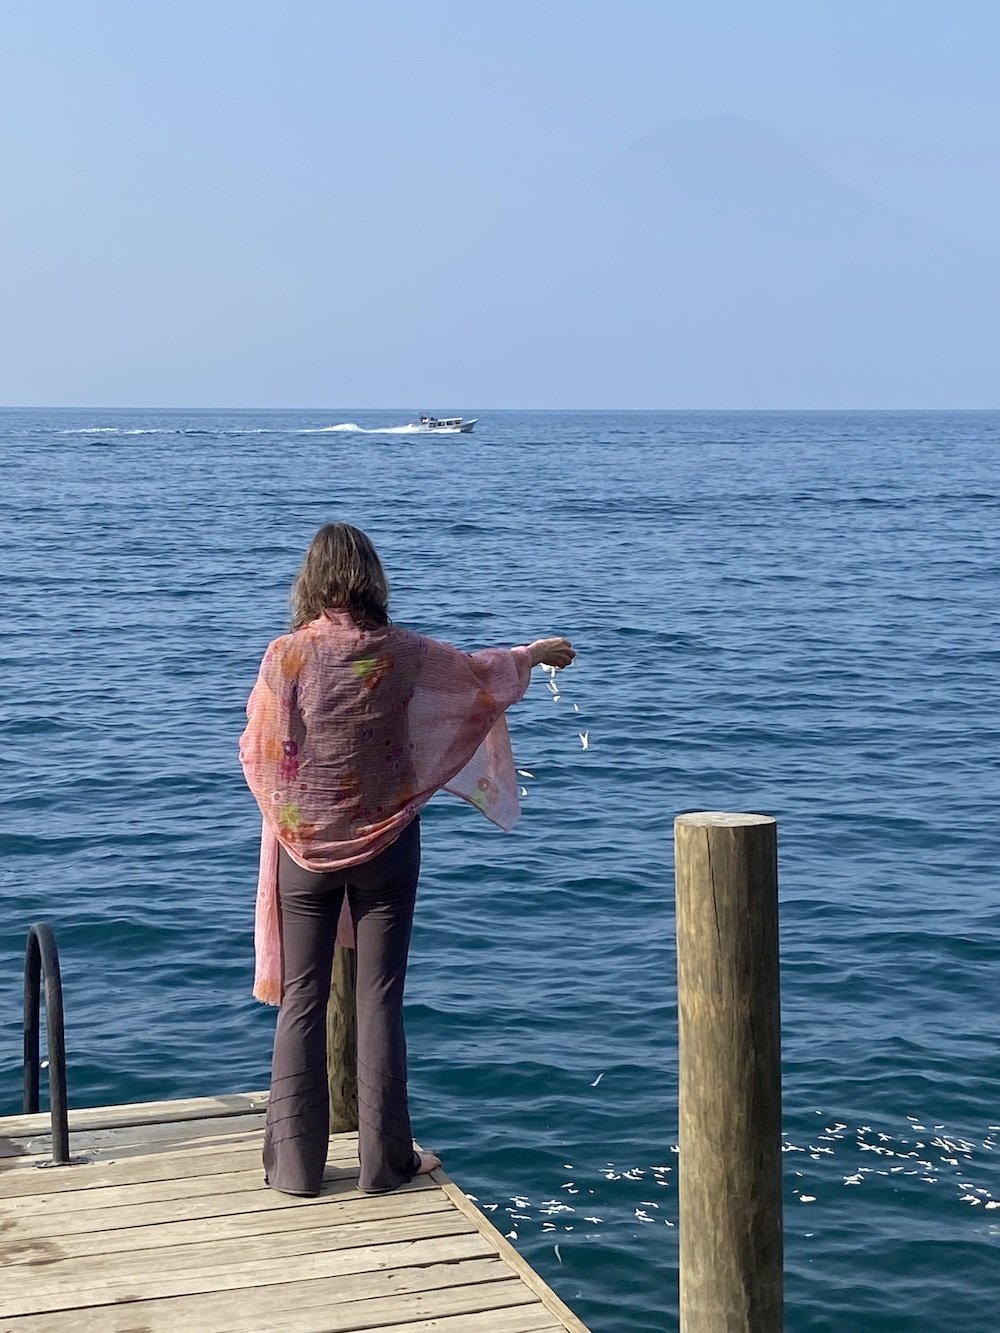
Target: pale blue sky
x,y
231,203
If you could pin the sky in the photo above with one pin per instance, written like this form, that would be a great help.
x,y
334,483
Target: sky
x,y
247,204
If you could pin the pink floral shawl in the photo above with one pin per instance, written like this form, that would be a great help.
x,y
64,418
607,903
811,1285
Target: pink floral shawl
x,y
350,732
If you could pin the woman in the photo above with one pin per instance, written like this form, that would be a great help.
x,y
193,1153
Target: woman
x,y
353,725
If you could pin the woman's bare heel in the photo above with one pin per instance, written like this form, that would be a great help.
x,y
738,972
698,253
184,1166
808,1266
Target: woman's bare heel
x,y
429,1162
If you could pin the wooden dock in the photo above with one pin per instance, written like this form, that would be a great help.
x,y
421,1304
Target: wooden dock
x,y
168,1226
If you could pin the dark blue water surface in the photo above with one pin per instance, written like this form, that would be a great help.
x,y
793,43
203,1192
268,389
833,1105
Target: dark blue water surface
x,y
787,613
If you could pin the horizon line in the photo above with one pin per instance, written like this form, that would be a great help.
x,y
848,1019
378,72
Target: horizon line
x,y
191,407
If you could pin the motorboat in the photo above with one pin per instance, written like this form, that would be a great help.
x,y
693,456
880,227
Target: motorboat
x,y
453,425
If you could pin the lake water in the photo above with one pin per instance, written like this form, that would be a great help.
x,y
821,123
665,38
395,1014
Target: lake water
x,y
794,614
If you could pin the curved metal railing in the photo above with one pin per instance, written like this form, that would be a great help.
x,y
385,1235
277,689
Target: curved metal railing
x,y
42,959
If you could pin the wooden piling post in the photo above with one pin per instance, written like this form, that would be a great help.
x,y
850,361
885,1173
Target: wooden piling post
x,y
728,1002
341,1043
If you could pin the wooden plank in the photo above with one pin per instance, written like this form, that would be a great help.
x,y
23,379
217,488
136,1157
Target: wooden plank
x,y
39,1293
512,1319
503,1247
377,1211
144,1267
256,1200
132,1141
195,1163
164,1133
94,1145
495,1318
163,1164
367,1301
138,1113
236,1180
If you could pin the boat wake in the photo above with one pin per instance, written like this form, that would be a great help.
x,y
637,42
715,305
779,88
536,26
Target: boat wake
x,y
343,427
352,426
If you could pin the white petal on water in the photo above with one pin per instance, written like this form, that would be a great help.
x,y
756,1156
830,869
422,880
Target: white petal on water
x,y
522,791
512,1235
597,1079
585,739
524,773
807,1198
576,708
558,1255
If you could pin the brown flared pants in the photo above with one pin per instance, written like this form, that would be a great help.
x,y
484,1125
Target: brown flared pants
x,y
381,894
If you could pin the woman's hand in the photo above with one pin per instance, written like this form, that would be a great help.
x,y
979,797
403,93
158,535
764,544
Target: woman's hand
x,y
551,652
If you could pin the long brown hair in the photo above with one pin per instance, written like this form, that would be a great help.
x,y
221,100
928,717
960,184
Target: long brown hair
x,y
341,569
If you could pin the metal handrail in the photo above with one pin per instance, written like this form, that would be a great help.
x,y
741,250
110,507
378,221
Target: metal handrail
x,y
42,956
